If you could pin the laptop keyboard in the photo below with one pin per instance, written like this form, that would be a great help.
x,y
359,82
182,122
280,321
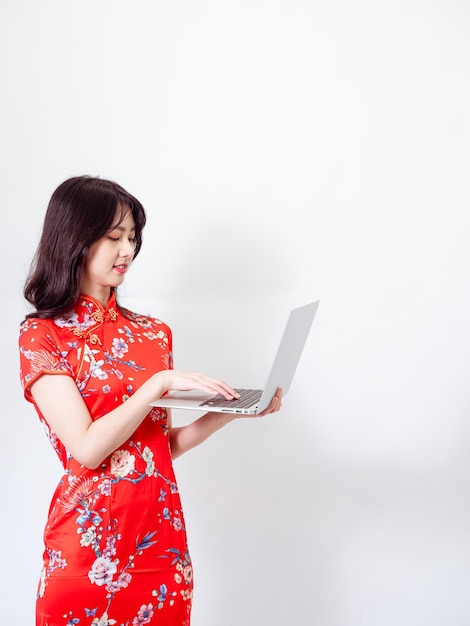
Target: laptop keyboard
x,y
248,397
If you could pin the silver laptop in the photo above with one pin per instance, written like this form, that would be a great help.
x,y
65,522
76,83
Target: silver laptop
x,y
253,401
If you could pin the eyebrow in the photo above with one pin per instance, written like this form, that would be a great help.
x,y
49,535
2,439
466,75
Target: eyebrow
x,y
121,229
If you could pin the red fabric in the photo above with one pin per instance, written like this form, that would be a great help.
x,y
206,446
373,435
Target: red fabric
x,y
115,540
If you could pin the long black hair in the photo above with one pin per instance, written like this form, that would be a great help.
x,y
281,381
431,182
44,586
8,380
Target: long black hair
x,y
81,211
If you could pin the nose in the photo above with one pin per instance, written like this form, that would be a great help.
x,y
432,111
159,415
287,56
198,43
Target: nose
x,y
127,249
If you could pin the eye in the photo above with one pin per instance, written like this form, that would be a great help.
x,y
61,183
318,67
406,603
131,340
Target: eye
x,y
113,238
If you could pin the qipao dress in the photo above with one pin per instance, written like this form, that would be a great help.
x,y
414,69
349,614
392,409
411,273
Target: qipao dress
x,y
115,541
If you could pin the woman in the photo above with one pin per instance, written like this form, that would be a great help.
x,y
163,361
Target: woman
x,y
115,538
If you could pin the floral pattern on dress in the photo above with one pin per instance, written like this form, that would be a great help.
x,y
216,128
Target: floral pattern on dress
x,y
118,531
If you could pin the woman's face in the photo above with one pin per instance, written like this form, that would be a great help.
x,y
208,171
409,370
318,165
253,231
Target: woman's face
x,y
109,259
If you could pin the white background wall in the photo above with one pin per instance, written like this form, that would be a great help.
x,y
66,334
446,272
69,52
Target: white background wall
x,y
327,143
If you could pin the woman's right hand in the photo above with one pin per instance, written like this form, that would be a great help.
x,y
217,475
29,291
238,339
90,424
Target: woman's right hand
x,y
176,380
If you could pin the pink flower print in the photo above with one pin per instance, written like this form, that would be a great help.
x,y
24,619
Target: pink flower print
x,y
187,594
124,579
144,615
69,319
102,571
156,414
110,549
122,463
119,348
105,487
78,492
188,574
55,560
121,583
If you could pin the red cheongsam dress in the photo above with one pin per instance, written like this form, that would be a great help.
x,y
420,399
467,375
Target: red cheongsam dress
x,y
115,541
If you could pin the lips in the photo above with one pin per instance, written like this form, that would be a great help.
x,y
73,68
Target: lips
x,y
120,268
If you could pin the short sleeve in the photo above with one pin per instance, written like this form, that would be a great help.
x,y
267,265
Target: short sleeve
x,y
40,354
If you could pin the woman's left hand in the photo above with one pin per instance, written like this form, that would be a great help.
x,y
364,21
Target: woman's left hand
x,y
274,406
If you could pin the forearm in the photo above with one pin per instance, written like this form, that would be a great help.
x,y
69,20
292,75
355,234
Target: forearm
x,y
186,437
105,435
88,441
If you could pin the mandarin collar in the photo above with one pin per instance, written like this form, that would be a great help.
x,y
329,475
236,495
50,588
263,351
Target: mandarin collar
x,y
94,311
88,314
92,305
